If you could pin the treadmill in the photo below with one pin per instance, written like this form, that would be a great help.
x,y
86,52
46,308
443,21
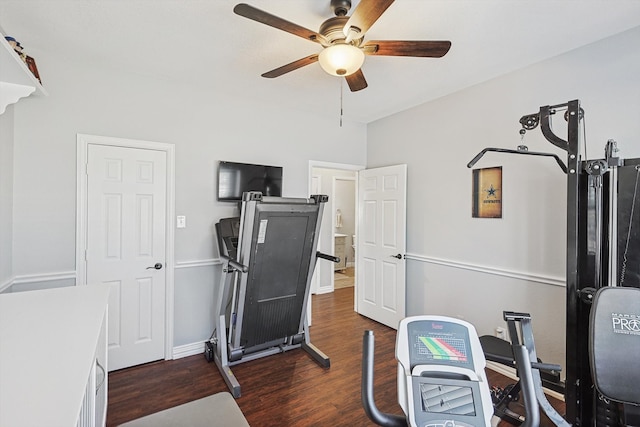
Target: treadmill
x,y
269,255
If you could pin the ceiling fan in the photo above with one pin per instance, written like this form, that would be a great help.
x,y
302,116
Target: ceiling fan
x,y
342,39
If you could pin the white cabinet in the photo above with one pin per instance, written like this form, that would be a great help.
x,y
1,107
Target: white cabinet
x,y
53,357
340,250
16,81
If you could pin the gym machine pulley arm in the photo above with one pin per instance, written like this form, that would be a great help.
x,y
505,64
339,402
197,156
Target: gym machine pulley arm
x,y
543,118
520,150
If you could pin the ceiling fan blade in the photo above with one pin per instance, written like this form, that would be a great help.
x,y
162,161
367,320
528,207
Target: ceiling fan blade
x,y
266,18
277,72
356,81
364,16
421,48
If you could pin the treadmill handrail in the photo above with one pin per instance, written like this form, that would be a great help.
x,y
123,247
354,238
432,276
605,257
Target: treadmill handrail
x,y
233,263
328,257
510,151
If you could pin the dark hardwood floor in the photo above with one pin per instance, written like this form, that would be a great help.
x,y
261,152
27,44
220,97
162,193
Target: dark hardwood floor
x,y
287,389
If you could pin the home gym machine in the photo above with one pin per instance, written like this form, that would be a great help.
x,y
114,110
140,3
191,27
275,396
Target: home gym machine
x,y
441,377
603,246
269,254
614,335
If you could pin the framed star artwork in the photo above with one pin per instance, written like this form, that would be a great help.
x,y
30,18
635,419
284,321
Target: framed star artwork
x,y
487,193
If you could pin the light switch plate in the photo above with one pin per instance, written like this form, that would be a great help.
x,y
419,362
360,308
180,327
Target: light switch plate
x,y
181,221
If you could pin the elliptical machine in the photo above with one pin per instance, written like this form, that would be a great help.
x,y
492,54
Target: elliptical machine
x,y
441,377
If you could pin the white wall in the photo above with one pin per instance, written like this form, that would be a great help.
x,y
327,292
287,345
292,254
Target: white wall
x,y
521,257
205,124
6,197
476,268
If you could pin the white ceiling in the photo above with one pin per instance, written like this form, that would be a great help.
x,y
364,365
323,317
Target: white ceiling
x,y
203,42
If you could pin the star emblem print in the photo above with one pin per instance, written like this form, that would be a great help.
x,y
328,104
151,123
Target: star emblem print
x,y
491,192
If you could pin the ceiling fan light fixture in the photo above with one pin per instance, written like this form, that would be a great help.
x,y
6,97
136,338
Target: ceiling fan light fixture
x,y
341,59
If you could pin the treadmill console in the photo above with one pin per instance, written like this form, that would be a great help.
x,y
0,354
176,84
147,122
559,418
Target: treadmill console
x,y
441,371
228,231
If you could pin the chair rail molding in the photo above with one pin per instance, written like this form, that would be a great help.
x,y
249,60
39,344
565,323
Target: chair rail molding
x,y
6,284
547,280
30,279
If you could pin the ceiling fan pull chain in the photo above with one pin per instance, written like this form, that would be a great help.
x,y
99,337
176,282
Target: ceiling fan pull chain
x,y
341,90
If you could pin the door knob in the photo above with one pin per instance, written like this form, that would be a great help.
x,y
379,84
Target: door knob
x,y
399,256
157,266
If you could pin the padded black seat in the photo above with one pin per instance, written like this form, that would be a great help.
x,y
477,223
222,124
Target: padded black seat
x,y
614,343
497,350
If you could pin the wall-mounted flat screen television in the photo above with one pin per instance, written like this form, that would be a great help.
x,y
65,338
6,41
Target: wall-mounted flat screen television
x,y
237,178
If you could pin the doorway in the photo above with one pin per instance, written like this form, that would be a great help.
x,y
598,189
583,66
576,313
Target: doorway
x,y
125,239
344,210
339,182
380,288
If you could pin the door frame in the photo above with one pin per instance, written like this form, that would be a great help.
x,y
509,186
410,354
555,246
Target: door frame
x,y
83,142
329,209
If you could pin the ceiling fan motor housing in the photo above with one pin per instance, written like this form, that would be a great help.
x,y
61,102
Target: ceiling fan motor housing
x,y
332,28
340,7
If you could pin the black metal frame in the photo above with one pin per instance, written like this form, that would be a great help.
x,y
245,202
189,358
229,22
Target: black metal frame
x,y
591,262
578,379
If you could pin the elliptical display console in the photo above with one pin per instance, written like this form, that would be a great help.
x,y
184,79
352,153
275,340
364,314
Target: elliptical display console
x,y
441,377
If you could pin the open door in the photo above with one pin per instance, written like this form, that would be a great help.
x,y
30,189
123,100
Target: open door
x,y
381,244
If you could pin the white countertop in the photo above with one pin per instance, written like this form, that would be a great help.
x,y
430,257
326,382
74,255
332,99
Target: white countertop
x,y
47,343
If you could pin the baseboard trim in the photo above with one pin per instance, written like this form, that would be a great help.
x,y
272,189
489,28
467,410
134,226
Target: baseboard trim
x,y
511,373
188,350
502,369
547,280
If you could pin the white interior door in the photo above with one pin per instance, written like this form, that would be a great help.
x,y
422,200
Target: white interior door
x,y
126,223
381,244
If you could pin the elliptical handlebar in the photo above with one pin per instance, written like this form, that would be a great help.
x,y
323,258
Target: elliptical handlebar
x,y
521,355
368,401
